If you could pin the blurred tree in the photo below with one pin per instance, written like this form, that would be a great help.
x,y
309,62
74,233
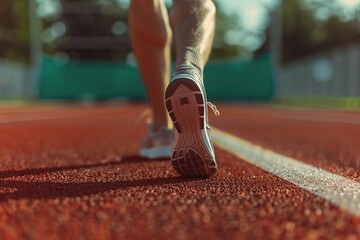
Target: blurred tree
x,y
14,30
223,49
304,34
97,30
94,29
88,30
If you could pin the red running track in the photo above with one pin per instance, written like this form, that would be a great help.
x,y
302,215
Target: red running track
x,y
69,172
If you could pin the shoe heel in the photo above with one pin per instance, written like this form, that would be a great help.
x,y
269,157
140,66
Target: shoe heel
x,y
186,107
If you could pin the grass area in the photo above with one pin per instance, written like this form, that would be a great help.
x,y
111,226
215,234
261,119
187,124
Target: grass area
x,y
348,103
17,102
320,102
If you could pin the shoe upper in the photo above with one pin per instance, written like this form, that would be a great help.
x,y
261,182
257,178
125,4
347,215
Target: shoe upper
x,y
156,138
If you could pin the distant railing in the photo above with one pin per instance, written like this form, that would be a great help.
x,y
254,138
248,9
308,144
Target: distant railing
x,y
14,80
332,73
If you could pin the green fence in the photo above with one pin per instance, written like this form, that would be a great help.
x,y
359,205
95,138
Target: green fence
x,y
232,80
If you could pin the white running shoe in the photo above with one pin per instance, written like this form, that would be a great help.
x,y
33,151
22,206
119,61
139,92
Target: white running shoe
x,y
157,144
186,102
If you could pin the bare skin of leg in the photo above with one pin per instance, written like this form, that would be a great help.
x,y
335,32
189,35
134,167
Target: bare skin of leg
x,y
151,40
193,25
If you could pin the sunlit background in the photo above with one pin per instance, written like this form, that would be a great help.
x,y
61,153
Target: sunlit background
x,y
293,49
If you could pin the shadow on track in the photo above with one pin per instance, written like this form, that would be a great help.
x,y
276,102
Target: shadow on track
x,y
27,189
52,190
132,159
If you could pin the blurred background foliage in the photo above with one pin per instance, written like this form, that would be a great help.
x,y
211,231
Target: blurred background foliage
x,y
14,30
311,26
71,27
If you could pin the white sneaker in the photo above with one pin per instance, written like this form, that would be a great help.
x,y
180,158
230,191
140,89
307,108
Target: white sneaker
x,y
157,144
186,102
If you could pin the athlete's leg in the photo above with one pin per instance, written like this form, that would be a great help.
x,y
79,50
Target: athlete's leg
x,y
193,25
192,22
151,39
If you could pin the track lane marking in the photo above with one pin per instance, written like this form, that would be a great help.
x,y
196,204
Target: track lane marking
x,y
41,115
341,191
322,119
18,119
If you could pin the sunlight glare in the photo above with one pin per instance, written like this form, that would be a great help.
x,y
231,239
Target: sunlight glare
x,y
349,3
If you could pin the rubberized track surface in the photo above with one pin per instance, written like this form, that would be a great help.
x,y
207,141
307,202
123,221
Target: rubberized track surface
x,y
76,175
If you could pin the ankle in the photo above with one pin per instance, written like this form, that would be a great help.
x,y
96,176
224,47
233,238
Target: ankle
x,y
190,57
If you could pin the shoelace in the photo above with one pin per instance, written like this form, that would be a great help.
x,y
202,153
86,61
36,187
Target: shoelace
x,y
145,114
213,108
148,115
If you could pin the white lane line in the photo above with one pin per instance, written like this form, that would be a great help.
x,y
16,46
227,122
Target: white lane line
x,y
323,119
16,119
29,116
338,190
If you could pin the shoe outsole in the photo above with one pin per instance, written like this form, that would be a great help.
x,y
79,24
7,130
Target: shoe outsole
x,y
185,104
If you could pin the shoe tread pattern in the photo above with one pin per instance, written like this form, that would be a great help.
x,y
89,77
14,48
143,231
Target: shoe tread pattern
x,y
186,106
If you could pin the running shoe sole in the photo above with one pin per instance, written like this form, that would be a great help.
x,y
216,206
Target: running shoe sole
x,y
192,153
